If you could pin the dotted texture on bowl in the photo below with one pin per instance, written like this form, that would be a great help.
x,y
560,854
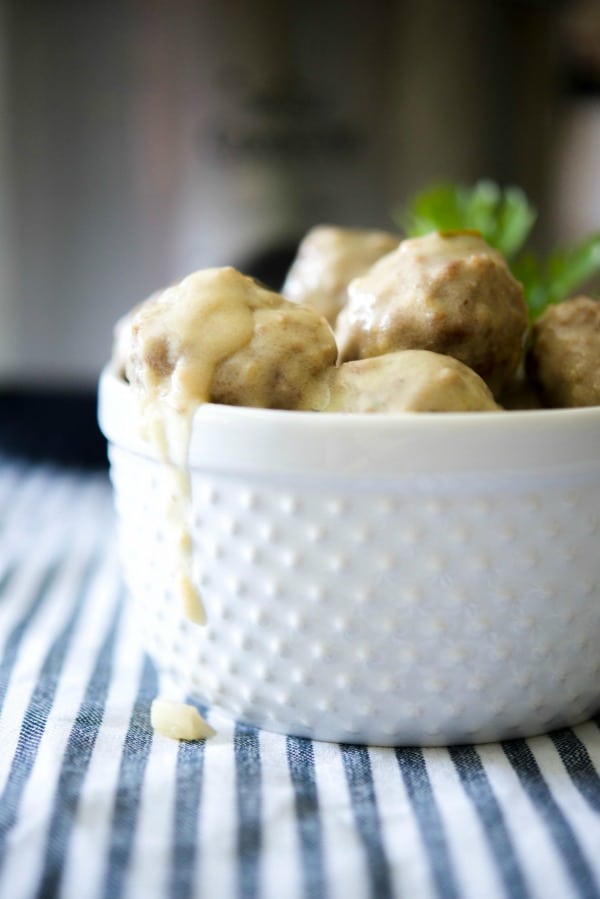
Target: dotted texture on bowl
x,y
414,612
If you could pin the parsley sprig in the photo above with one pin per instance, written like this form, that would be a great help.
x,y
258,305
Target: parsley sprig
x,y
559,275
505,218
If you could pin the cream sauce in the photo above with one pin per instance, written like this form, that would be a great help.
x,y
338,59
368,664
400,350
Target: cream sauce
x,y
178,339
177,342
179,721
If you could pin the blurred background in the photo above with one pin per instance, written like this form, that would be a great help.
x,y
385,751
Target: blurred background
x,y
142,139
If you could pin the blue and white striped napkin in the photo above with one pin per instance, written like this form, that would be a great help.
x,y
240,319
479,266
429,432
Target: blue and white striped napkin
x,y
92,804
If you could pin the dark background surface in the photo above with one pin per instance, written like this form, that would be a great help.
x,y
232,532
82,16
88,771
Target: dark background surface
x,y
141,141
52,426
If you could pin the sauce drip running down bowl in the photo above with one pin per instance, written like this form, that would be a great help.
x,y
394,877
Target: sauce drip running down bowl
x,y
387,579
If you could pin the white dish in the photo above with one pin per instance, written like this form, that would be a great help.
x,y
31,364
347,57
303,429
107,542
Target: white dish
x,y
382,579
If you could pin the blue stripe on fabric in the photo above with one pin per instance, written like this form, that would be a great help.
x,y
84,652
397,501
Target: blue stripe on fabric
x,y
359,776
134,759
248,779
15,637
418,786
578,765
7,505
5,579
188,798
37,713
532,780
12,477
28,501
301,765
76,759
478,788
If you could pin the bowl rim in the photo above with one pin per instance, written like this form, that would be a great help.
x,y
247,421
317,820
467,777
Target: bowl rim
x,y
379,444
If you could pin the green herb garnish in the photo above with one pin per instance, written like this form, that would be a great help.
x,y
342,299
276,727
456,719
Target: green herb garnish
x,y
504,218
559,275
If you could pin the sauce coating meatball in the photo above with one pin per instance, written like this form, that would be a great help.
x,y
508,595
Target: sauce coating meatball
x,y
408,381
564,358
219,336
328,259
446,292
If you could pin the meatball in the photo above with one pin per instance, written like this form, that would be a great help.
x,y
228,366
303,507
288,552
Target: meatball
x,y
122,335
290,348
220,337
448,292
408,381
328,259
564,357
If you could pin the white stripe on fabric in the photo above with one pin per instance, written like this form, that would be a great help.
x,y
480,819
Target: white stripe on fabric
x,y
75,761
100,808
425,803
345,861
42,547
307,808
25,592
249,810
475,866
132,774
38,796
478,788
579,750
281,847
11,478
189,786
52,620
28,498
217,875
582,819
51,505
359,777
527,831
150,864
92,827
410,871
559,828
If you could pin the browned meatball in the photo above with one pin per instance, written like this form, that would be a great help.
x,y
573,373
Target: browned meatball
x,y
279,369
122,335
328,259
564,359
408,381
446,292
219,336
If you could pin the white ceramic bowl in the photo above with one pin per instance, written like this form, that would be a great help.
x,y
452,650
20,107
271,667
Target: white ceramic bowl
x,y
403,579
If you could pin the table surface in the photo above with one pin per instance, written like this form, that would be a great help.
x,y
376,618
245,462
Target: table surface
x,y
93,804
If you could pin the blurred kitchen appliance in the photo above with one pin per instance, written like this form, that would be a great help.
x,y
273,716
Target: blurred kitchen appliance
x,y
140,141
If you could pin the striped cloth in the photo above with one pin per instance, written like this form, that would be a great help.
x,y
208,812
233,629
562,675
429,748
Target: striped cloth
x,y
93,805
